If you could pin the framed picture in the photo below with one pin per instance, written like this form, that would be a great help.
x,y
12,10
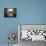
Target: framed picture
x,y
9,12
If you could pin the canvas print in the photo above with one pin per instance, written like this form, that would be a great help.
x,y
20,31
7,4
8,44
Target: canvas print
x,y
9,12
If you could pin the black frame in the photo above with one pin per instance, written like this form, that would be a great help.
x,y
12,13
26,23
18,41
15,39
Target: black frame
x,y
5,12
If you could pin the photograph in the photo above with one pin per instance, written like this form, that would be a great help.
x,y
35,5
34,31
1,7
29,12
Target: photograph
x,y
9,12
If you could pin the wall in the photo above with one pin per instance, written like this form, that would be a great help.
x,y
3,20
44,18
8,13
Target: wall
x,y
7,25
28,12
32,11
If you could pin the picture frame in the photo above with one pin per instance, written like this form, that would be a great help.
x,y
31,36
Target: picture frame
x,y
10,12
